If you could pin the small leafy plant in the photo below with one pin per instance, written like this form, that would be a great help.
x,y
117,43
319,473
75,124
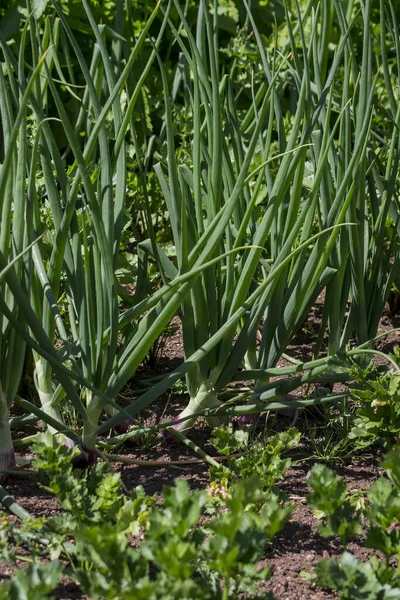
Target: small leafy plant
x,y
35,582
332,501
91,495
344,517
249,457
378,416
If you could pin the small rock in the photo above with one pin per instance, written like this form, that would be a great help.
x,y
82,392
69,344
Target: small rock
x,y
310,556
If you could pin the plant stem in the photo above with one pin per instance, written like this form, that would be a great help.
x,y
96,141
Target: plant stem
x,y
44,387
7,456
225,593
91,421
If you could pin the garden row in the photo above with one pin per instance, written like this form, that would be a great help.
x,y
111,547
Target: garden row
x,y
175,165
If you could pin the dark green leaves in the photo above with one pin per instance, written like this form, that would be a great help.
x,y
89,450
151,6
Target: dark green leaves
x,y
178,550
35,582
378,417
91,495
249,457
375,578
330,497
354,579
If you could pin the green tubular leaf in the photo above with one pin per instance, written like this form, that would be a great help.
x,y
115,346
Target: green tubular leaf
x,y
58,426
270,78
173,194
15,129
12,262
13,506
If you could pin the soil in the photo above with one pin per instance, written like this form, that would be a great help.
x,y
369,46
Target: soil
x,y
298,547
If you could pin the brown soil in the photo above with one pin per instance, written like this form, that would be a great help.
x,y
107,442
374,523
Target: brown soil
x,y
298,548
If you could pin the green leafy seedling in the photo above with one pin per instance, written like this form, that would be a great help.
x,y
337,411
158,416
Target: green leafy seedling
x,y
378,417
249,458
331,499
35,582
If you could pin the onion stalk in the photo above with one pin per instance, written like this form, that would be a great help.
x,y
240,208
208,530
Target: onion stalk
x,y
7,456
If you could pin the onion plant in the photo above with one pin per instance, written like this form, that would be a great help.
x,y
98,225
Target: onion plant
x,y
230,171
71,308
367,257
14,238
86,207
316,184
349,175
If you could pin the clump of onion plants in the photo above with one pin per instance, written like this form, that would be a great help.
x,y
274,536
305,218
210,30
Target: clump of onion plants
x,y
266,209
